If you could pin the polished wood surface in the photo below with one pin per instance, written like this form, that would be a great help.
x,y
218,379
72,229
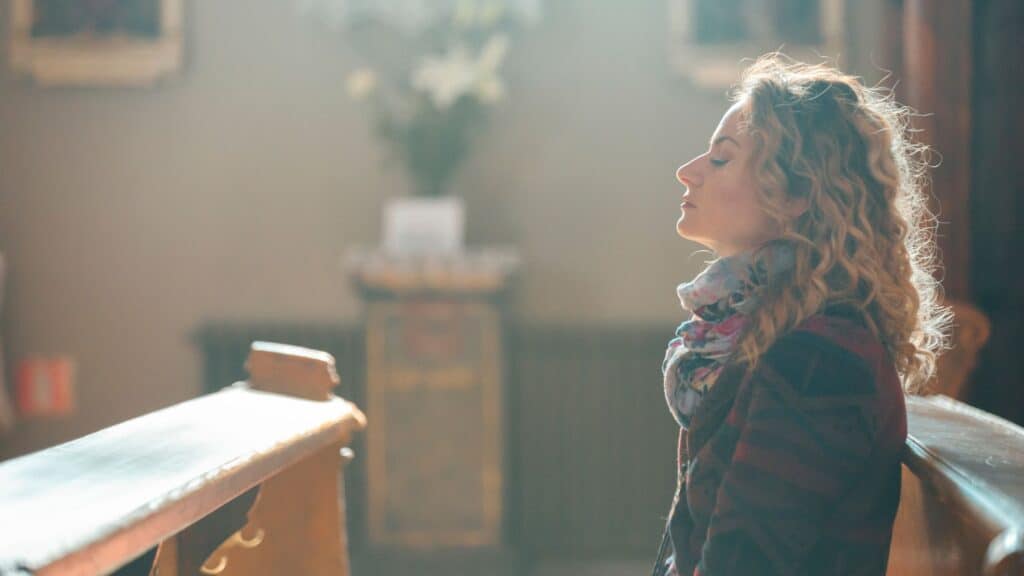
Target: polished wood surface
x,y
292,528
291,370
91,505
962,507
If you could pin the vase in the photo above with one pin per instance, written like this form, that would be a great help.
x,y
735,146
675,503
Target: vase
x,y
423,226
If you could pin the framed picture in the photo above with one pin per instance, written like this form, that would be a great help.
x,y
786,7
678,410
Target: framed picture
x,y
713,40
96,42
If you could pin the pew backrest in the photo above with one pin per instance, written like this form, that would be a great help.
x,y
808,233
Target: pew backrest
x,y
210,473
962,504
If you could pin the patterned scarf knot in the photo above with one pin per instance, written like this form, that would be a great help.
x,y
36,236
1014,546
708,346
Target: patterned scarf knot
x,y
720,300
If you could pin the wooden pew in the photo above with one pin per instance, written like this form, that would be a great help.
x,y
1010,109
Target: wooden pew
x,y
962,505
241,481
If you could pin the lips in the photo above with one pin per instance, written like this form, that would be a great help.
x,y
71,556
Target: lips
x,y
687,204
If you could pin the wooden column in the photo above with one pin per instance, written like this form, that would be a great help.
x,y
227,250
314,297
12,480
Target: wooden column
x,y
937,80
997,204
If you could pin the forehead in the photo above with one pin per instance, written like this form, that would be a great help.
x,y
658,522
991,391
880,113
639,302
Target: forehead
x,y
732,122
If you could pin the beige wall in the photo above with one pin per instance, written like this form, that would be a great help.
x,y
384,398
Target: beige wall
x,y
131,216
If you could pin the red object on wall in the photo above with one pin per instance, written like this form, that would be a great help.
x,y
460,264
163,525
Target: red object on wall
x,y
45,386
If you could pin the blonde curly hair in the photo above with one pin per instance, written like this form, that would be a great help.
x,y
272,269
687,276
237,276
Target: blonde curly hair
x,y
866,240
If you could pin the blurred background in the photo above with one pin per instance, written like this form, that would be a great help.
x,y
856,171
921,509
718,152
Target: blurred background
x,y
161,209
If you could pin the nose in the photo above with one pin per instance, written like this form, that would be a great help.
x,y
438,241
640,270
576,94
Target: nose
x,y
687,175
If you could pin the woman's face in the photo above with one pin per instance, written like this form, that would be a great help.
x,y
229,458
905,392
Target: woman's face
x,y
720,208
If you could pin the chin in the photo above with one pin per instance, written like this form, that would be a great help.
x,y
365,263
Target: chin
x,y
682,228
687,233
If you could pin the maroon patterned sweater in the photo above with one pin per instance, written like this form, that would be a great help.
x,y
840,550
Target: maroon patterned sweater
x,y
796,469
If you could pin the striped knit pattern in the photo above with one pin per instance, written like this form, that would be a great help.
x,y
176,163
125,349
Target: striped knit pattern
x,y
800,472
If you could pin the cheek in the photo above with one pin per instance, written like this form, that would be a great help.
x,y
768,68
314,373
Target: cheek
x,y
739,198
741,206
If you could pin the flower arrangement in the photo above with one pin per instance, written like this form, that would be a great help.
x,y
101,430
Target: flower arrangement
x,y
431,71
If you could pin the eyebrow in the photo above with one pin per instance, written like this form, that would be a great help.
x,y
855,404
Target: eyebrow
x,y
724,138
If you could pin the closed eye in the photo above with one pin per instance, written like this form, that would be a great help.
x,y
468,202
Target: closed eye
x,y
718,162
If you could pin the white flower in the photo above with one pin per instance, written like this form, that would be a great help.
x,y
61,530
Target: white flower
x,y
360,83
493,53
445,79
490,90
488,86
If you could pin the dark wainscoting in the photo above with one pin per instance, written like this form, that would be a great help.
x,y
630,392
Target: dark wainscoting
x,y
596,452
591,446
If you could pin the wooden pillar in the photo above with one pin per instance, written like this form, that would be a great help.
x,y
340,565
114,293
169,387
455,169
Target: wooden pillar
x,y
937,80
997,205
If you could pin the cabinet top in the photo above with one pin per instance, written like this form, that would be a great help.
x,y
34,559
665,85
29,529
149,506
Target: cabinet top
x,y
474,272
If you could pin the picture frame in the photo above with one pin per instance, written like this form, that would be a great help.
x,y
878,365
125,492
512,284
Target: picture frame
x,y
112,43
712,41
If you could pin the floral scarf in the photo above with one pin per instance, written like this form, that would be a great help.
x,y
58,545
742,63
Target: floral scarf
x,y
720,299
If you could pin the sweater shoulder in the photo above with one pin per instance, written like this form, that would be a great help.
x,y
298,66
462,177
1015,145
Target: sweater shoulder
x,y
829,355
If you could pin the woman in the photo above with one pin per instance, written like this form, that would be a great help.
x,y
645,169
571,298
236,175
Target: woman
x,y
818,314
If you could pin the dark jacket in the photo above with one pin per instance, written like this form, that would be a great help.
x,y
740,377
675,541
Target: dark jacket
x,y
794,469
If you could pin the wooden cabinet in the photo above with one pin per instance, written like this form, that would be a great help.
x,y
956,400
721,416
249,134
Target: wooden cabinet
x,y
435,456
434,459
